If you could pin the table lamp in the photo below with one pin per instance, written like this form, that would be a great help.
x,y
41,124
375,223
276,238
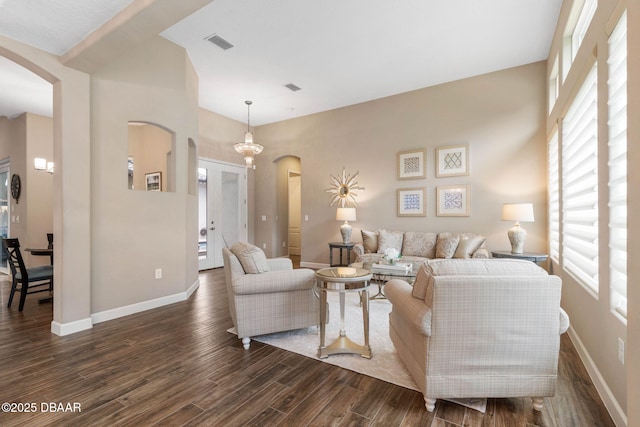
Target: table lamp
x,y
346,215
518,212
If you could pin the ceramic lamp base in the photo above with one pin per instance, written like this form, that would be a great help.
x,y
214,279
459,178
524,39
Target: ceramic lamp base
x,y
517,236
345,230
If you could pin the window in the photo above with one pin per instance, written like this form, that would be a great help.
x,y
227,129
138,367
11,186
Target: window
x,y
554,199
580,185
584,19
617,125
576,32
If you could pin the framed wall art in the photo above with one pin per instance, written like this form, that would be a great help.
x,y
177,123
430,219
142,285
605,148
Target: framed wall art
x,y
412,164
452,160
154,181
411,201
453,200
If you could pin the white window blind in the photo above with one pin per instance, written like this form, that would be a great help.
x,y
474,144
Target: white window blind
x,y
554,199
580,184
618,166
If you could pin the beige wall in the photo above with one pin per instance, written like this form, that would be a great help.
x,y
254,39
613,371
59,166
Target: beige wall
x,y
501,116
21,139
149,146
595,329
133,232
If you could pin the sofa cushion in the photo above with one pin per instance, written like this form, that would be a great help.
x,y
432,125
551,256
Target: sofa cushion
x,y
468,245
446,245
370,241
389,239
417,243
472,267
252,258
420,283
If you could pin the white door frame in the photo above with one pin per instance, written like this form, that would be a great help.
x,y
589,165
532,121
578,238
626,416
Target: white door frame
x,y
211,216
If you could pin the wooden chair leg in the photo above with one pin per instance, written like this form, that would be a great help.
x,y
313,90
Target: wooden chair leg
x,y
23,295
13,291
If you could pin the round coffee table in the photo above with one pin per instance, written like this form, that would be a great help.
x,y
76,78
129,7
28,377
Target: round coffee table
x,y
342,280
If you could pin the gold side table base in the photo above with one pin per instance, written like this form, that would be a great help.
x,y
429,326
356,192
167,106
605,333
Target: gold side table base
x,y
343,345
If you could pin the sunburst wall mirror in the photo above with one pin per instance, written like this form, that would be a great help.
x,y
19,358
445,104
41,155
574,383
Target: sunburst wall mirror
x,y
343,189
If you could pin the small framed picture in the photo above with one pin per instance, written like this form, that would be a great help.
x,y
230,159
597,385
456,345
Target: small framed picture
x,y
412,164
411,201
453,200
452,160
154,181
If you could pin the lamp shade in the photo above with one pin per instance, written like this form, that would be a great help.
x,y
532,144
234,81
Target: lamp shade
x,y
346,214
520,212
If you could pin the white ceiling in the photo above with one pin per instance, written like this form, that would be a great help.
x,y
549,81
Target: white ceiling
x,y
339,52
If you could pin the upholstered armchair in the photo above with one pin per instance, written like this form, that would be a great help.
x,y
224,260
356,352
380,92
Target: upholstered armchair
x,y
479,329
273,298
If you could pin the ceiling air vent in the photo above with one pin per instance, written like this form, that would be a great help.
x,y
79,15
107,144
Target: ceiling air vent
x,y
220,42
292,87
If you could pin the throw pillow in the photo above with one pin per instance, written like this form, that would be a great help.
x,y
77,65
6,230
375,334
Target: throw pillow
x,y
446,247
370,241
417,243
420,283
389,239
468,245
252,258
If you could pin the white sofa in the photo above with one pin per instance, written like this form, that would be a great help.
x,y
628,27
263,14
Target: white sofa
x,y
419,246
479,328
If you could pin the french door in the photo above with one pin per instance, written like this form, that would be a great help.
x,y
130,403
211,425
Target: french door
x,y
222,218
4,211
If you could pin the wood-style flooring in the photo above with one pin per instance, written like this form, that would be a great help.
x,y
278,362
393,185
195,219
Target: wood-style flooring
x,y
177,365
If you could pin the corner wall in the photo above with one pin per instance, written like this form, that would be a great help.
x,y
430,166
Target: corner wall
x,y
501,116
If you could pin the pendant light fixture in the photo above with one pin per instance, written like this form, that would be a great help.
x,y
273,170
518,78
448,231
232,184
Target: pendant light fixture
x,y
247,148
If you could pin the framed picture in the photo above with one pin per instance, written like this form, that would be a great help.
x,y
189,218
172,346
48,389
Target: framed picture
x,y
154,181
412,164
453,200
452,160
411,201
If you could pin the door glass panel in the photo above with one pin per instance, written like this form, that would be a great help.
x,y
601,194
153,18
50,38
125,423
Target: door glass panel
x,y
4,212
230,208
202,213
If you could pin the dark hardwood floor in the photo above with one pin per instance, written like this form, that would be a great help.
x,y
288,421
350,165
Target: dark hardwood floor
x,y
177,365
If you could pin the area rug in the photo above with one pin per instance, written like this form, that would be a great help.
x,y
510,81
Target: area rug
x,y
385,364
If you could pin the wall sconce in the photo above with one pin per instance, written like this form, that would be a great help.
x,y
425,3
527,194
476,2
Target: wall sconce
x,y
41,164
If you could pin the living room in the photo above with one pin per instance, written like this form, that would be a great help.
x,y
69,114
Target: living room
x,y
502,117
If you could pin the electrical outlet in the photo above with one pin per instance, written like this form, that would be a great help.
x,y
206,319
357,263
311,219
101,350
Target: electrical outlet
x,y
284,244
264,217
621,350
306,217
264,246
158,273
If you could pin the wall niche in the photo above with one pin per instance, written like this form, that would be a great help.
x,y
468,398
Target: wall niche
x,y
150,160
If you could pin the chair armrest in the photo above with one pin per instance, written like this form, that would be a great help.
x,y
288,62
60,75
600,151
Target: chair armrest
x,y
564,321
274,281
481,253
278,264
358,249
412,309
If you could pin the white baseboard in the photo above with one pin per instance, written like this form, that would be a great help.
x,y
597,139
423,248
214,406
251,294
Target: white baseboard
x,y
313,265
609,400
127,310
62,329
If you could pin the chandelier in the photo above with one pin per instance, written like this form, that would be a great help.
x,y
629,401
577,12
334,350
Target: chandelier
x,y
247,148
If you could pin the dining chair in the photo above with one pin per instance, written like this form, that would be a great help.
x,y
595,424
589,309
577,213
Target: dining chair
x,y
25,280
50,244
